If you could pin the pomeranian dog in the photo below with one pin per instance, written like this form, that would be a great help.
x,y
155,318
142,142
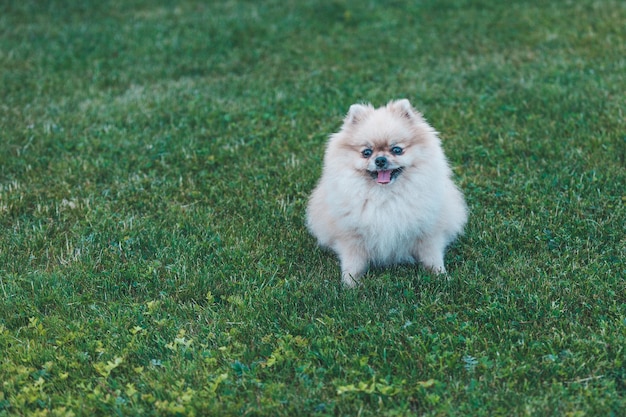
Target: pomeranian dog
x,y
386,195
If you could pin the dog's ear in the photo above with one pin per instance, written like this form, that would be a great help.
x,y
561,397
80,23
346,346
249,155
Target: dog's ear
x,y
356,113
404,108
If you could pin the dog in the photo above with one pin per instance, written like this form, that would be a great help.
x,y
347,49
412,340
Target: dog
x,y
386,194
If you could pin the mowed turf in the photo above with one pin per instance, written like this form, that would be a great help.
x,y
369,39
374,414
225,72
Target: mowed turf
x,y
155,162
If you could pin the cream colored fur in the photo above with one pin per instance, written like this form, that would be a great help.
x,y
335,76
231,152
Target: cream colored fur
x,y
412,218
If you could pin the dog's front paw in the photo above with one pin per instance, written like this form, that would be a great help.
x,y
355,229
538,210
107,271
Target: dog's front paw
x,y
439,270
441,273
349,281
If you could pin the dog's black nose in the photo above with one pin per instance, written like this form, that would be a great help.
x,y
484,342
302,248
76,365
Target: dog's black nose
x,y
381,162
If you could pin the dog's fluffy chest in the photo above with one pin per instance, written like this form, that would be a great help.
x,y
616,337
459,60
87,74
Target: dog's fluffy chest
x,y
389,223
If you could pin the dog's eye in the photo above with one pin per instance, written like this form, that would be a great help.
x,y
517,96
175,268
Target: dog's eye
x,y
367,153
396,150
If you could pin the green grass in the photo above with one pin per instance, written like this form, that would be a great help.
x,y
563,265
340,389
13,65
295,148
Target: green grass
x,y
155,162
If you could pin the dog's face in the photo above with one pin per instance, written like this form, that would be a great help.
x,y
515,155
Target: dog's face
x,y
383,161
381,144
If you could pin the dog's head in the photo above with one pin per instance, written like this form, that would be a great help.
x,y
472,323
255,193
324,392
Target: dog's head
x,y
380,144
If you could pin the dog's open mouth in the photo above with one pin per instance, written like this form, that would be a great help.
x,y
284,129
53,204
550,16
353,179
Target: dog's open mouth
x,y
385,176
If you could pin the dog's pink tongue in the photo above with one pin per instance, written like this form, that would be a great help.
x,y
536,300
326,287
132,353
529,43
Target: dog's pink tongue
x,y
384,177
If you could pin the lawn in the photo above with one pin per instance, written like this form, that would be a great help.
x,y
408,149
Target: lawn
x,y
155,162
